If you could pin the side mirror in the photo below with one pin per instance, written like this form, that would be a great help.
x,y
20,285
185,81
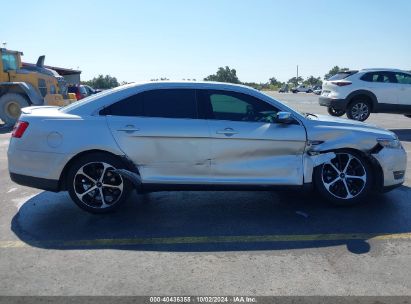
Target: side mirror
x,y
284,117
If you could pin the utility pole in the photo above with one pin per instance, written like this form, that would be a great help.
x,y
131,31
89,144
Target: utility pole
x,y
297,75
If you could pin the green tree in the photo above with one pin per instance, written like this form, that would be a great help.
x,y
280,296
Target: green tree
x,y
224,75
102,82
273,81
313,81
334,71
295,81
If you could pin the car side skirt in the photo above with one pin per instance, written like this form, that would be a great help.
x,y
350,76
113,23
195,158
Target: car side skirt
x,y
154,187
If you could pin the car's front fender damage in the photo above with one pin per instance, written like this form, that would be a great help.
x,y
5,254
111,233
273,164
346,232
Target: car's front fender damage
x,y
312,160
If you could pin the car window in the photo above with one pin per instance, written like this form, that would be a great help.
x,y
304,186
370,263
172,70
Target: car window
x,y
384,77
170,103
9,62
166,103
130,106
341,75
83,90
403,78
222,105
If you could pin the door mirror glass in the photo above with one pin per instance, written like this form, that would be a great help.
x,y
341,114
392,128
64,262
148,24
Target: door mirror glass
x,y
284,117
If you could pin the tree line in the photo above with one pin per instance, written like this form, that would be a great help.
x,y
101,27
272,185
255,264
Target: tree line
x,y
228,75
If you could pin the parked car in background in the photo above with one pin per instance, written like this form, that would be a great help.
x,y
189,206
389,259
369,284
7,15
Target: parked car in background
x,y
302,88
90,90
359,93
197,135
82,91
79,90
284,89
317,90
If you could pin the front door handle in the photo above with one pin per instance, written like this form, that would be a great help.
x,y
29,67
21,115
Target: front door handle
x,y
227,131
128,129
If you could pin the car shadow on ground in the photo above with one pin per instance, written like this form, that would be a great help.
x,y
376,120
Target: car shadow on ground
x,y
212,221
403,134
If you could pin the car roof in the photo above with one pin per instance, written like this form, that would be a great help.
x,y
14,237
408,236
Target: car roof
x,y
382,70
93,102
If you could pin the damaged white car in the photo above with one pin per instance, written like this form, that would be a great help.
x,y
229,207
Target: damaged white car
x,y
197,136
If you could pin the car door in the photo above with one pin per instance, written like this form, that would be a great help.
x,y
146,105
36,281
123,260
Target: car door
x,y
404,91
247,145
160,132
382,84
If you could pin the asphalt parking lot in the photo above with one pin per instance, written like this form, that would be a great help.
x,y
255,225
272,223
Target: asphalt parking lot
x,y
208,243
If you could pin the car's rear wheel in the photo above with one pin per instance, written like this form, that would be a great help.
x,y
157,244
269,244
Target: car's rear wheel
x,y
408,115
359,109
335,112
344,180
94,186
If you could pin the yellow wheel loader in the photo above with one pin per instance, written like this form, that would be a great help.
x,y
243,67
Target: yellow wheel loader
x,y
29,86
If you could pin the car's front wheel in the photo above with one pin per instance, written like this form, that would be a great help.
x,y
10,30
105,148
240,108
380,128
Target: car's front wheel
x,y
94,185
344,180
335,112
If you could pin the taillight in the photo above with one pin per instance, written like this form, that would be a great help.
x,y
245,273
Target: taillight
x,y
19,129
341,83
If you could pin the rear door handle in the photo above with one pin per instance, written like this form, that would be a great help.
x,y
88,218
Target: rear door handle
x,y
128,129
227,131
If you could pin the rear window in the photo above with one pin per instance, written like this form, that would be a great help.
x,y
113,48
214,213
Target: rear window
x,y
167,103
170,103
342,75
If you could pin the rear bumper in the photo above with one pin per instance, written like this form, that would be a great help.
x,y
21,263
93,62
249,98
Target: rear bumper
x,y
338,104
35,182
44,165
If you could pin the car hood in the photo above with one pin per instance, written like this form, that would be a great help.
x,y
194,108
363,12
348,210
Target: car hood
x,y
337,133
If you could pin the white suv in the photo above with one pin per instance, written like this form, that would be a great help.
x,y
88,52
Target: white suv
x,y
302,89
358,93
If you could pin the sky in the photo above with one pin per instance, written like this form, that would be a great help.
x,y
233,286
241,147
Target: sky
x,y
190,39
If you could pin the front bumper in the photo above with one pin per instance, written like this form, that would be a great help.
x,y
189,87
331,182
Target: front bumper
x,y
393,163
338,104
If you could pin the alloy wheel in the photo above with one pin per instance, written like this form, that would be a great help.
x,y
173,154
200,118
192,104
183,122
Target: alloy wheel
x,y
360,111
344,176
97,185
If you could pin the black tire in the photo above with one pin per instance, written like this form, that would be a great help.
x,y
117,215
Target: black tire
x,y
408,115
359,109
335,112
10,107
340,189
309,91
79,183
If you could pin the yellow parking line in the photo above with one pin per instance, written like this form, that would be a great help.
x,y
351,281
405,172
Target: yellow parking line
x,y
209,239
